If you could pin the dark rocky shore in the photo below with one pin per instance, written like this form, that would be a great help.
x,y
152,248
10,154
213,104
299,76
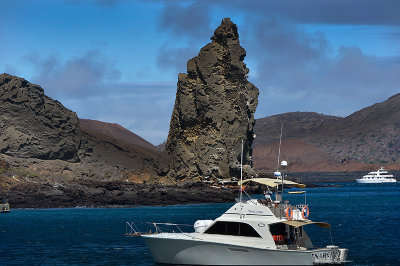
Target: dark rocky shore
x,y
92,193
105,194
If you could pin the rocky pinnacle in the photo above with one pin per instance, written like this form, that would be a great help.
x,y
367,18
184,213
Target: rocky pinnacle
x,y
213,112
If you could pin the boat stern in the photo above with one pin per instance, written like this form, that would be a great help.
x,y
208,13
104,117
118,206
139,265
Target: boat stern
x,y
329,255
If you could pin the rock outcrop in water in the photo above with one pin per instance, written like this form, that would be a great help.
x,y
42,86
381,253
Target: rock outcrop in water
x,y
214,110
33,125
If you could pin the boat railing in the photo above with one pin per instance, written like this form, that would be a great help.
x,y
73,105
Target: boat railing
x,y
279,209
301,206
148,228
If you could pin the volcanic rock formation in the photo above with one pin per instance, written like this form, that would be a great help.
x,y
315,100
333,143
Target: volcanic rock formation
x,y
33,125
214,111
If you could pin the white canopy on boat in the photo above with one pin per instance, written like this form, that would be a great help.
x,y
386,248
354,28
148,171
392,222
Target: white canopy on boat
x,y
271,182
298,223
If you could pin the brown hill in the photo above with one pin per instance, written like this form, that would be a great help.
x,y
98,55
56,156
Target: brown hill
x,y
360,141
370,135
296,125
118,135
304,157
300,155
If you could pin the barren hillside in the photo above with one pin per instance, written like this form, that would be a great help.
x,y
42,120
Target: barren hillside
x,y
361,141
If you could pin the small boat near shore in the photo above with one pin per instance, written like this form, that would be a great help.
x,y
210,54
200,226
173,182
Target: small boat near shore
x,y
296,191
380,176
4,206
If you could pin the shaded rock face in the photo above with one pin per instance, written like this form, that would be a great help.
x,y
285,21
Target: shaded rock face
x,y
33,125
4,166
214,110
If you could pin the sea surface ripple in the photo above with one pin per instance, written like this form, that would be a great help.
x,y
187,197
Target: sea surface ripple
x,y
364,219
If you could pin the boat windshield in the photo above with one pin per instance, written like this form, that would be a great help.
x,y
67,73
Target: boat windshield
x,y
232,228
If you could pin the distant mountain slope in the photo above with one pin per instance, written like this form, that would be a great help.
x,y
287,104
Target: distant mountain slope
x,y
371,117
300,155
371,135
368,136
115,133
295,125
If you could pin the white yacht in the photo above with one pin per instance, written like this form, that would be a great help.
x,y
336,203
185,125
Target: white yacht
x,y
380,176
251,232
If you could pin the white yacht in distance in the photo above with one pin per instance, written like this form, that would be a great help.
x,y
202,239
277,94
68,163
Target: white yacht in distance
x,y
251,232
380,176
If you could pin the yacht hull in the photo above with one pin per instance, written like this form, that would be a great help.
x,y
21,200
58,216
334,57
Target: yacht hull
x,y
198,252
376,181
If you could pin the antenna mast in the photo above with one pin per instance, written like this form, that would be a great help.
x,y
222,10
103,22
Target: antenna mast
x,y
241,173
279,150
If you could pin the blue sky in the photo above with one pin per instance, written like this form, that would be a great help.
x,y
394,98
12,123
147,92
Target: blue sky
x,y
118,60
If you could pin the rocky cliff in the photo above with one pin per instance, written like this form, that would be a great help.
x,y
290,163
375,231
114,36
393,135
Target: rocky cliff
x,y
33,125
43,140
214,110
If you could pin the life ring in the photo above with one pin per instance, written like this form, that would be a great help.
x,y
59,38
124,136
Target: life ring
x,y
305,211
289,213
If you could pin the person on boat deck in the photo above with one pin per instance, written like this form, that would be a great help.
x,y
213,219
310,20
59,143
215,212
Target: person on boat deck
x,y
267,195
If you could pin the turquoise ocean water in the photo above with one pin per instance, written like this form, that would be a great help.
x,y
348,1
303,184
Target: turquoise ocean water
x,y
364,218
